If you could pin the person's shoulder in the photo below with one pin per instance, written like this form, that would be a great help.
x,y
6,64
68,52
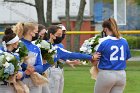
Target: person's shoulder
x,y
105,39
122,38
60,45
1,50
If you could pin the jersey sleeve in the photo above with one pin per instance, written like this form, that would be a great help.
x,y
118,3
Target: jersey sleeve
x,y
64,55
99,47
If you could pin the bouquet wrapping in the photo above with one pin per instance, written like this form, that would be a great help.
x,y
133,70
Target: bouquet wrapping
x,y
88,47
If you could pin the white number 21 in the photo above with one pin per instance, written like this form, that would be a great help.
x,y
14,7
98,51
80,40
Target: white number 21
x,y
116,50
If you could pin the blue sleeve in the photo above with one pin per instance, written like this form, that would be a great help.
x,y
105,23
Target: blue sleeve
x,y
46,66
64,55
60,45
100,48
38,65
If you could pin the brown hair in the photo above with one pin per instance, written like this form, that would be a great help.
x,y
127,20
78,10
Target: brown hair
x,y
8,35
8,30
41,27
112,26
52,29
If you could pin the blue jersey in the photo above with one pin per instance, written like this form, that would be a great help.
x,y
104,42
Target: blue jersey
x,y
114,53
35,56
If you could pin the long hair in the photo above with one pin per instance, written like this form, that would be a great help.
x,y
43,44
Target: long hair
x,y
23,28
112,26
18,28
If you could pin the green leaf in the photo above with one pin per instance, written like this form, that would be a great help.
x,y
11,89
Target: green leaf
x,y
23,51
5,76
1,72
60,64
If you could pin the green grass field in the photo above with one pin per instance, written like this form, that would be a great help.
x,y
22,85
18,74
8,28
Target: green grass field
x,y
78,80
135,53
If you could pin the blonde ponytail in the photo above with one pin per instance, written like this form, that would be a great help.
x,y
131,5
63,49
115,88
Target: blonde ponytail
x,y
18,29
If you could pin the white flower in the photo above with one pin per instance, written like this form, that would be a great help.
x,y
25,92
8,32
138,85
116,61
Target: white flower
x,y
53,56
83,49
84,63
89,51
50,50
1,58
17,50
38,45
8,56
45,44
86,41
6,65
90,43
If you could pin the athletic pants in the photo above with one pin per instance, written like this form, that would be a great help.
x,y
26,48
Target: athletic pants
x,y
110,81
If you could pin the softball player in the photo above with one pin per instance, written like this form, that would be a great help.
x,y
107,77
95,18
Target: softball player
x,y
55,73
9,43
35,59
114,54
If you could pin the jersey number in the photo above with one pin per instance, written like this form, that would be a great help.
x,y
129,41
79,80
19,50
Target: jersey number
x,y
116,50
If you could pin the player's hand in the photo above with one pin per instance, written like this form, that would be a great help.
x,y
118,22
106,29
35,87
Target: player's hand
x,y
96,56
27,72
19,75
73,63
30,68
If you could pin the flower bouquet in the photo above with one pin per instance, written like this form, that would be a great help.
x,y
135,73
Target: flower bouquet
x,y
47,50
88,47
22,51
9,65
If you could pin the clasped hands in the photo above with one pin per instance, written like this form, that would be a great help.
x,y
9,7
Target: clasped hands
x,y
29,70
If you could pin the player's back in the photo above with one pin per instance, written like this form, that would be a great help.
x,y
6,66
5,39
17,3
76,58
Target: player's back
x,y
114,53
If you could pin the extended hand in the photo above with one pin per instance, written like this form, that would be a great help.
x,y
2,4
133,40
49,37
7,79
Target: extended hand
x,y
72,63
